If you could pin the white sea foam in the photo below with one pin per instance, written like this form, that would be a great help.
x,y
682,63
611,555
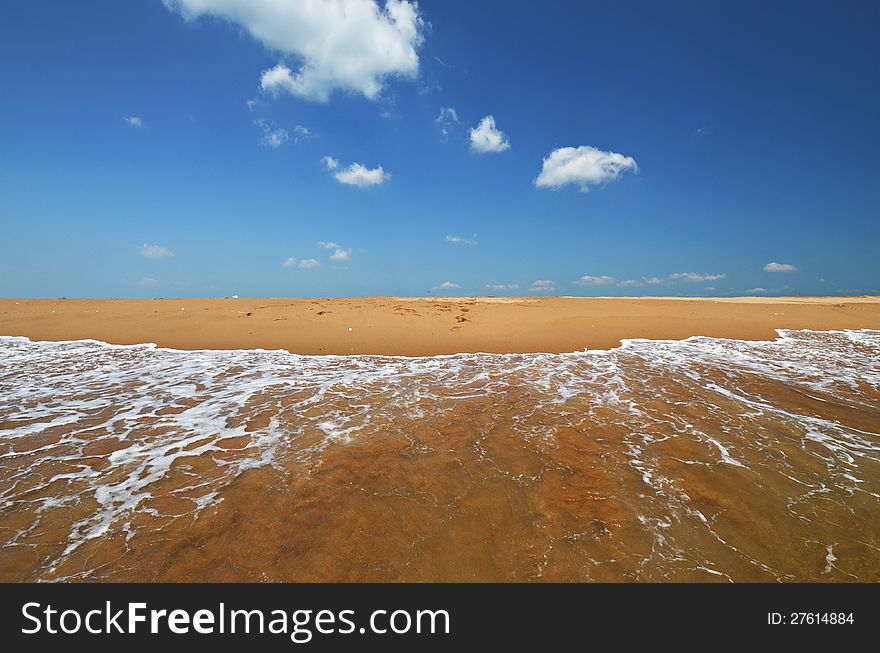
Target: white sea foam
x,y
89,424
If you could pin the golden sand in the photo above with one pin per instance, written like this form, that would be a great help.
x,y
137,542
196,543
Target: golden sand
x,y
425,326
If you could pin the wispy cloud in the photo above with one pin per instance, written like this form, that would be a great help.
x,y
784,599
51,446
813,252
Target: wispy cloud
x,y
346,46
327,245
486,137
780,267
584,166
329,162
543,285
446,285
459,240
589,280
155,251
305,264
148,282
694,277
502,287
134,121
447,120
757,290
273,136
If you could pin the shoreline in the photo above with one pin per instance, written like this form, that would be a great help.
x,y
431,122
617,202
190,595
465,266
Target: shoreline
x,y
424,326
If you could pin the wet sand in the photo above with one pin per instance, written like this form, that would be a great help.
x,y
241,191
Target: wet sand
x,y
424,326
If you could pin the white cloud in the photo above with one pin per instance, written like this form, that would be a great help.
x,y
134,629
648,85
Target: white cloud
x,y
485,137
644,281
305,264
359,175
779,267
329,162
585,166
757,290
446,285
347,45
273,136
148,282
301,132
324,245
502,287
447,119
155,251
694,277
341,255
543,285
134,121
588,280
459,240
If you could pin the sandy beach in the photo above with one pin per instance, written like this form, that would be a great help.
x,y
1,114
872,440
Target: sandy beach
x,y
424,326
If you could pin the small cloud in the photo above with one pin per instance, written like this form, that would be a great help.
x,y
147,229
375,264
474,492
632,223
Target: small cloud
x,y
458,240
702,131
543,285
757,290
134,121
341,255
447,120
305,264
329,162
252,104
148,282
485,137
779,267
588,280
644,281
301,132
585,166
155,251
273,136
446,285
502,287
357,174
710,288
324,245
694,277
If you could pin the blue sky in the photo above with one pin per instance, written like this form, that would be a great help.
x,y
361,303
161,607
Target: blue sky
x,y
154,149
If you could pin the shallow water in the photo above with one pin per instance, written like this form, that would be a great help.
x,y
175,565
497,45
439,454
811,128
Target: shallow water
x,y
703,459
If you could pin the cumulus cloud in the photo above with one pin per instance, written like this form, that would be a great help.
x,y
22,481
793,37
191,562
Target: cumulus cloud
x,y
589,280
341,255
543,285
356,174
273,136
446,285
347,45
779,267
459,240
485,137
325,245
502,287
155,251
134,121
305,264
585,166
447,119
694,277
